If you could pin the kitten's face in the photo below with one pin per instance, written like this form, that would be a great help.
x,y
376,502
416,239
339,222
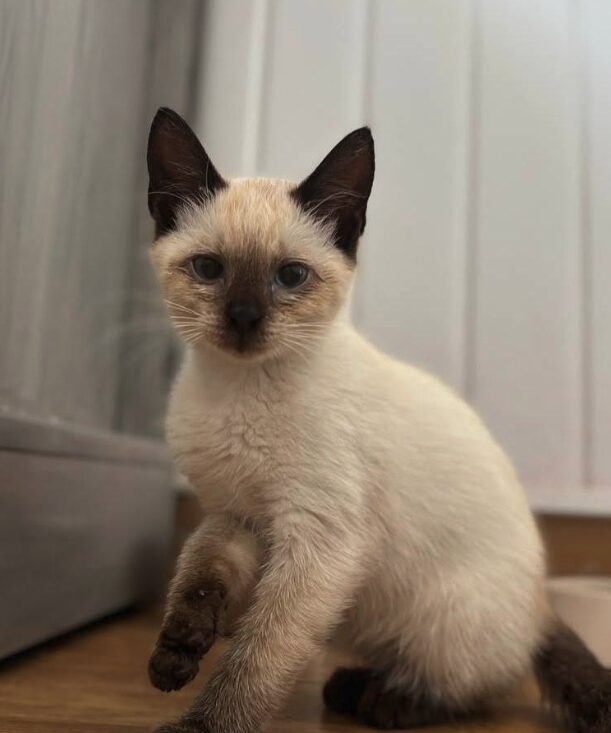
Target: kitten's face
x,y
248,273
254,267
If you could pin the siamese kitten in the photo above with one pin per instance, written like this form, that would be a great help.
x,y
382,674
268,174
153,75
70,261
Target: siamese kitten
x,y
347,496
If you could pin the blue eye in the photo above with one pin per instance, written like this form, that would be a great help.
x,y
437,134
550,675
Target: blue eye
x,y
292,275
206,268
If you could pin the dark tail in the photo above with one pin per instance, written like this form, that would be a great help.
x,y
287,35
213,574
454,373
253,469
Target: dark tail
x,y
574,681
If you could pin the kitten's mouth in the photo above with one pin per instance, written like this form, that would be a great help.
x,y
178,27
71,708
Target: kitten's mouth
x,y
243,345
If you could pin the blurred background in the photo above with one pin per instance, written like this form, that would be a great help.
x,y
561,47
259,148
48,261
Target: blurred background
x,y
486,258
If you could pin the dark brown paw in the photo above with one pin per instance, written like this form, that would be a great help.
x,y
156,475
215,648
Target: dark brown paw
x,y
345,688
185,637
363,693
592,714
170,669
388,709
392,709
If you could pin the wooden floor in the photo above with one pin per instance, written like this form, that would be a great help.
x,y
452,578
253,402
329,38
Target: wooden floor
x,y
94,681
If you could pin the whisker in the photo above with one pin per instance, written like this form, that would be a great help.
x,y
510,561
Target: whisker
x,y
299,346
181,307
185,321
189,332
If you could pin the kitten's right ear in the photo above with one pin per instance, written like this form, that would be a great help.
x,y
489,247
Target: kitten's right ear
x,y
180,170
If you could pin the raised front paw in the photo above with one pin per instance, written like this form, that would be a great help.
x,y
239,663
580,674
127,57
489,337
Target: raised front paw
x,y
186,635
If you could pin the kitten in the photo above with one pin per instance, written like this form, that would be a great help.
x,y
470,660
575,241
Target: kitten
x,y
346,495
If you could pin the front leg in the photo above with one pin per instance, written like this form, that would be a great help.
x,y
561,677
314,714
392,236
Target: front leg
x,y
310,577
215,575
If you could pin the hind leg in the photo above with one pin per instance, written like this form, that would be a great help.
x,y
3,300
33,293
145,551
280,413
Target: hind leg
x,y
448,651
370,696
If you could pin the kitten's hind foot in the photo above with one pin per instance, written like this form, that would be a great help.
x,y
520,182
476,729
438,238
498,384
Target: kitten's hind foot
x,y
364,694
343,691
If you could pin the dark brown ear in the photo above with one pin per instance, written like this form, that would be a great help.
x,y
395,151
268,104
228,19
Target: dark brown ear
x,y
180,170
338,190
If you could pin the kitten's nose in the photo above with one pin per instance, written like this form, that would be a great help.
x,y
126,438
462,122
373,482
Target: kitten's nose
x,y
244,315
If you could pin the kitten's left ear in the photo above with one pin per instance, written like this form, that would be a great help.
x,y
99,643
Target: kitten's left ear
x,y
180,170
338,190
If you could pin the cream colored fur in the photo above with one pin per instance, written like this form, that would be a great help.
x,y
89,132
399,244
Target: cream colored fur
x,y
386,514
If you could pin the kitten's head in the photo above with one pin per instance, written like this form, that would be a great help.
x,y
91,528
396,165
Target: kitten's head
x,y
254,267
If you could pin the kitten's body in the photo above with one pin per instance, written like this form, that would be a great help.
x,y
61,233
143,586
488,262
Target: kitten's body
x,y
346,495
369,447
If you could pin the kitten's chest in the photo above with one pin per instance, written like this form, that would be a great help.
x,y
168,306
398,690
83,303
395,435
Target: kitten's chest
x,y
234,451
